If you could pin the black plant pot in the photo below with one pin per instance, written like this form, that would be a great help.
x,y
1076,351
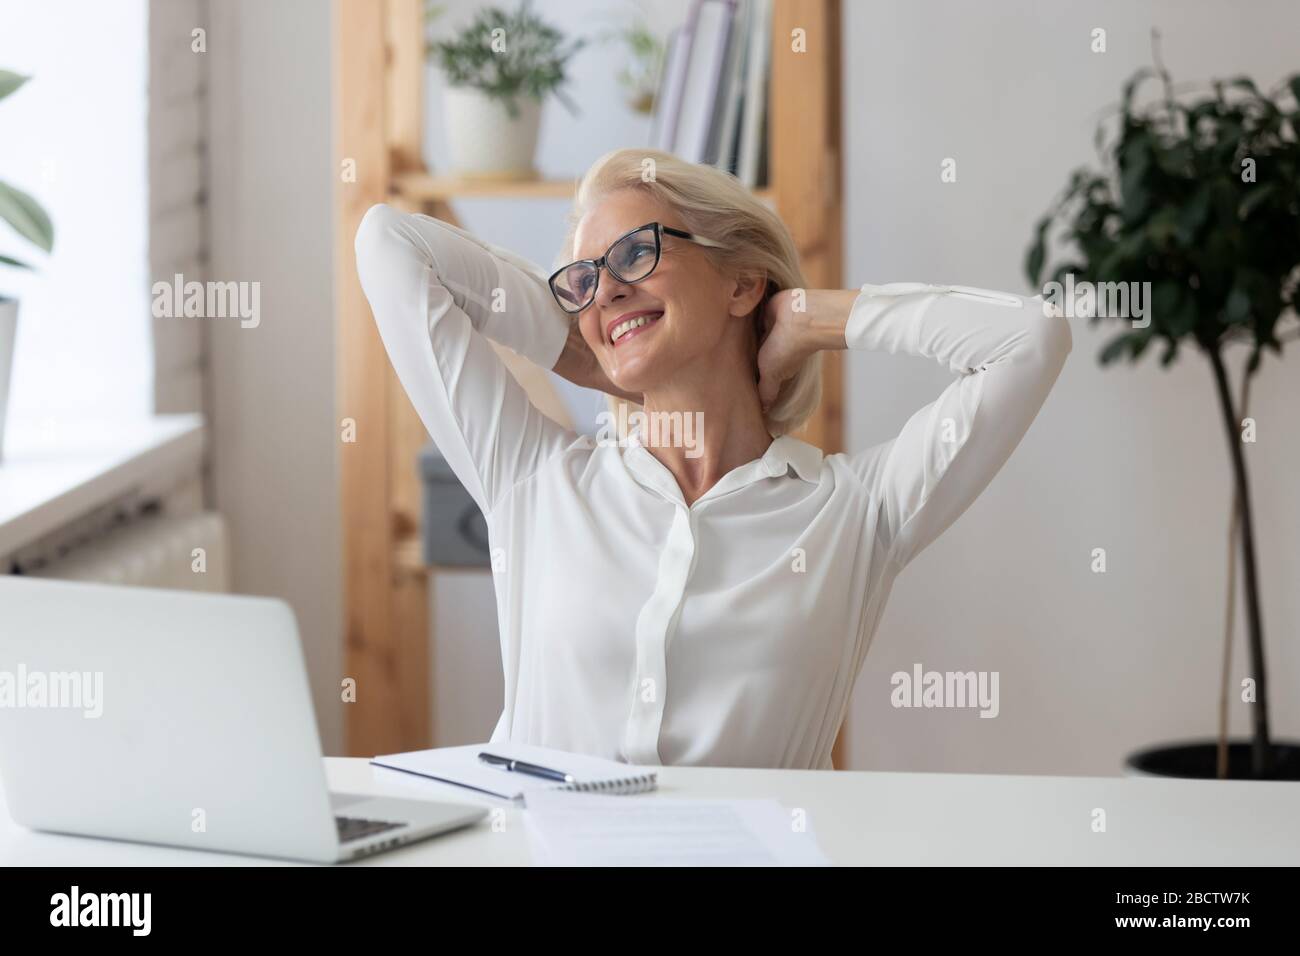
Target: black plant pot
x,y
1198,760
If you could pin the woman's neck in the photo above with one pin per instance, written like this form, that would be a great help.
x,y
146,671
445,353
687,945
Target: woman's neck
x,y
705,429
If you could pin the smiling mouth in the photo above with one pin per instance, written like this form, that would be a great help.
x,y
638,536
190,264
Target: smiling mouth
x,y
633,326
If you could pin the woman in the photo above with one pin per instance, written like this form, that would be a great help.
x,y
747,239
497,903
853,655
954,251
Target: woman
x,y
713,604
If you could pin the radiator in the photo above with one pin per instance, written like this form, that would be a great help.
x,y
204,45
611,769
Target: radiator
x,y
187,553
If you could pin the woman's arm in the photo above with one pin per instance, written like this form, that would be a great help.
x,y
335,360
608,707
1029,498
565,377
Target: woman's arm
x,y
1007,355
436,292
576,362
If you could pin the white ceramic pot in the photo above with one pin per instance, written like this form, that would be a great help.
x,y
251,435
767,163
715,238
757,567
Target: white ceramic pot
x,y
486,142
8,330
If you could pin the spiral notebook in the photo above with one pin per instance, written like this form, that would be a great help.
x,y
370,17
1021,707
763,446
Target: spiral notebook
x,y
460,766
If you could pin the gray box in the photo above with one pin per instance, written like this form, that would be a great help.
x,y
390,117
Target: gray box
x,y
455,531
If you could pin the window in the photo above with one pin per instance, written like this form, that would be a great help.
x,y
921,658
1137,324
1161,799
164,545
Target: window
x,y
75,137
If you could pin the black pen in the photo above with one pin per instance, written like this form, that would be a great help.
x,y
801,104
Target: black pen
x,y
519,766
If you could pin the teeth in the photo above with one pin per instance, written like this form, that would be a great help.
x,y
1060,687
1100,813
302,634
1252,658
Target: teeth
x,y
631,324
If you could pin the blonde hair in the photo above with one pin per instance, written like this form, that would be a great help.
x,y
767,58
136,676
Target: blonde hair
x,y
716,204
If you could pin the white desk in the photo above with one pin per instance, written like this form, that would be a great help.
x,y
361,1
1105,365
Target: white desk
x,y
859,818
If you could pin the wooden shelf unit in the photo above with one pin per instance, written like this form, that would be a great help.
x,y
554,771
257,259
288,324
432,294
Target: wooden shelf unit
x,y
421,188
379,119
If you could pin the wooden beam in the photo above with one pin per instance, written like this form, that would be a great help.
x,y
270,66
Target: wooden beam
x,y
410,634
386,638
804,151
404,84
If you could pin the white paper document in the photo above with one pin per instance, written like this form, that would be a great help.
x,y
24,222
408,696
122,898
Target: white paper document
x,y
576,829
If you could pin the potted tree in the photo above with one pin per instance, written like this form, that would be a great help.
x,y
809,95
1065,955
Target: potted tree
x,y
26,217
1200,198
498,71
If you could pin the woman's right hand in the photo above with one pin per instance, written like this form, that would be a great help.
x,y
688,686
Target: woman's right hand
x,y
579,365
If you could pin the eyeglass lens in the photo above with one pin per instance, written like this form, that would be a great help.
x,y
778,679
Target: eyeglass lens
x,y
630,259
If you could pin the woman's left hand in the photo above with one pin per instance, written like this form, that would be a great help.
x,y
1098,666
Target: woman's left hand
x,y
783,350
798,323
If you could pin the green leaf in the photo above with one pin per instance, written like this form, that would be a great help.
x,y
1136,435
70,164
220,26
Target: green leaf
x,y
1181,319
1114,349
1192,216
1139,340
1256,196
1124,257
1126,100
1170,353
1163,227
6,261
9,82
26,216
1174,160
1169,312
1135,160
1064,269
1238,305
1037,251
1224,201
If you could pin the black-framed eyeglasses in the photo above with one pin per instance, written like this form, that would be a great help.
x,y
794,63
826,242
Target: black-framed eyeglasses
x,y
631,258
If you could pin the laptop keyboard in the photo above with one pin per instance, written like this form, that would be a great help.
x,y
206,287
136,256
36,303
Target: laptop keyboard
x,y
353,828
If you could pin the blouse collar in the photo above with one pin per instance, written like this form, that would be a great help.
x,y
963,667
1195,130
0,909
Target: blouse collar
x,y
785,453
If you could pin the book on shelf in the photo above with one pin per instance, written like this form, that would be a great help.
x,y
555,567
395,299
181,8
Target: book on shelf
x,y
672,81
711,105
722,138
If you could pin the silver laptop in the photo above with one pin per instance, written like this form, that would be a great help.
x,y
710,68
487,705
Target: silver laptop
x,y
177,718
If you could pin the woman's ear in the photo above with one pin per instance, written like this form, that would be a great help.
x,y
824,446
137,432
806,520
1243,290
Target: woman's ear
x,y
748,293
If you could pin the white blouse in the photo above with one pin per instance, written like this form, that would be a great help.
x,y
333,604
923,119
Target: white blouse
x,y
728,632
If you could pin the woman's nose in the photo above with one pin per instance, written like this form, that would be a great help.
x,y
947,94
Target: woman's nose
x,y
611,290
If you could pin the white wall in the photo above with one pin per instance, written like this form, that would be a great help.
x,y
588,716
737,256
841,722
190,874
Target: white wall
x,y
273,387
1129,459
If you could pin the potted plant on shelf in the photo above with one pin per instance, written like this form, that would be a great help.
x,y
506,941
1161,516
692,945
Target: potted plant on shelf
x,y
499,69
1199,198
639,76
26,217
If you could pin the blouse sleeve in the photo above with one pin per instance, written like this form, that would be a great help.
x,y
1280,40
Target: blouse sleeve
x,y
436,292
1007,354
